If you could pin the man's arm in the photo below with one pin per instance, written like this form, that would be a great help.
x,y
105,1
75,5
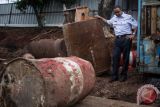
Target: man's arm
x,y
134,25
99,17
134,31
103,19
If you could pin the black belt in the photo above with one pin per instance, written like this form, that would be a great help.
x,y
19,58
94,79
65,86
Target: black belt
x,y
122,36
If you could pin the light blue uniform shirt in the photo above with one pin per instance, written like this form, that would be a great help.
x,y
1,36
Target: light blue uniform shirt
x,y
122,25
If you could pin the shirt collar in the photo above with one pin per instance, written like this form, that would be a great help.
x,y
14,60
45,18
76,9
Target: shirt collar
x,y
123,15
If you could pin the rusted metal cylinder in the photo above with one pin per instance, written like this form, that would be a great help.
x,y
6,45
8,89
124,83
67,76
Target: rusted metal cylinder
x,y
47,48
147,94
49,82
132,58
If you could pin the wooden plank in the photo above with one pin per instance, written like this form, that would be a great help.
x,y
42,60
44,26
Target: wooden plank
x,y
144,21
92,101
81,14
153,19
148,20
156,3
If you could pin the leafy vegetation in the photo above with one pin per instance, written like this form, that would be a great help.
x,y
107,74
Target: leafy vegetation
x,y
37,7
68,3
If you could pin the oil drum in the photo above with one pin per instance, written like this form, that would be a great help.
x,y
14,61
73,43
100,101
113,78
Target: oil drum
x,y
132,58
47,48
48,82
147,94
148,52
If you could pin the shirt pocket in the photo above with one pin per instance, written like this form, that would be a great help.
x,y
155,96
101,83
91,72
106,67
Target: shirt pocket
x,y
124,22
115,24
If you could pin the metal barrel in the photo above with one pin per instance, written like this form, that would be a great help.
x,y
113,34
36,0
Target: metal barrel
x,y
86,40
148,53
47,48
49,82
132,58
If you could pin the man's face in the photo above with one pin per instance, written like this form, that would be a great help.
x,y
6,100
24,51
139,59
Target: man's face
x,y
118,12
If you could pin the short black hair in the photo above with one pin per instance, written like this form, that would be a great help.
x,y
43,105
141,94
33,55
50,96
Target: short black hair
x,y
117,6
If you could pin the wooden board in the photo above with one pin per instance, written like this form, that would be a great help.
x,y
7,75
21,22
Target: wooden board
x,y
81,14
153,19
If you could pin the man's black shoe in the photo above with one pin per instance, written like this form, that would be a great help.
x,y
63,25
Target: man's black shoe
x,y
112,80
123,79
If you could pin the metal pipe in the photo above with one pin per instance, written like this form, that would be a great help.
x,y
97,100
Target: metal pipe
x,y
139,29
10,14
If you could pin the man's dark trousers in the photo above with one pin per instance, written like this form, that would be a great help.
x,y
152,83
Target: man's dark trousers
x,y
121,45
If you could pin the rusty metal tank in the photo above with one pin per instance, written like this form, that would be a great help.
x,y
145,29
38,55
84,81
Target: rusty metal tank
x,y
49,82
47,48
86,40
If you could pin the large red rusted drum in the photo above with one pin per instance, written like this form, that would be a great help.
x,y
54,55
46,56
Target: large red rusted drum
x,y
86,40
147,94
49,82
132,58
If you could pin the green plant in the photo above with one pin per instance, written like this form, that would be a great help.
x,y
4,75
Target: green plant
x,y
68,3
37,7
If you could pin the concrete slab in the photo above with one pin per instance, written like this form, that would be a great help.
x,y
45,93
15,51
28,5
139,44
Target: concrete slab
x,y
92,101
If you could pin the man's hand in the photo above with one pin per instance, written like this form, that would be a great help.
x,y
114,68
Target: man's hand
x,y
131,37
99,17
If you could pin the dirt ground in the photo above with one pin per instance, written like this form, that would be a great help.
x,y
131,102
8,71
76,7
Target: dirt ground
x,y
14,40
118,90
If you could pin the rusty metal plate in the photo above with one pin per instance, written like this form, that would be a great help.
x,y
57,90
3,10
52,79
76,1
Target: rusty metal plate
x,y
86,40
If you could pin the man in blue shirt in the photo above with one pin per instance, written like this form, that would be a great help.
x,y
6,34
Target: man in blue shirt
x,y
124,26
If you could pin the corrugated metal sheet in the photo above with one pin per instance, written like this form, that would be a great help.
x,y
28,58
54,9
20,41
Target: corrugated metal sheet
x,y
129,6
92,4
4,19
7,1
53,14
4,10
